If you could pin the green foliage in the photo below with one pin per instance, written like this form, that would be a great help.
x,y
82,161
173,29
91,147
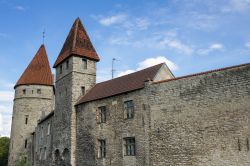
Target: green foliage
x,y
4,150
22,161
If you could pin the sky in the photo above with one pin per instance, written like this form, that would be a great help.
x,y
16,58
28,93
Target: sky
x,y
190,36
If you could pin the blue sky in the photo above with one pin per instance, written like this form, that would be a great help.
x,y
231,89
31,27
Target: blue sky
x,y
189,35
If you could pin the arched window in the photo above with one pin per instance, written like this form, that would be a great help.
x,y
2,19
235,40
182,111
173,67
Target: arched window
x,y
66,157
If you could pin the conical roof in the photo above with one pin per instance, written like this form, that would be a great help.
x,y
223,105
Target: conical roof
x,y
38,72
77,44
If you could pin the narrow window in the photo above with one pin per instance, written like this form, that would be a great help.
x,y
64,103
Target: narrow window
x,y
84,63
45,153
102,148
129,146
26,119
247,141
239,146
67,64
129,109
83,90
42,133
48,132
102,114
32,91
60,69
25,144
39,91
24,91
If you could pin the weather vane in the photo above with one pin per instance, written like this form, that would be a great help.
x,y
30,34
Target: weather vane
x,y
43,35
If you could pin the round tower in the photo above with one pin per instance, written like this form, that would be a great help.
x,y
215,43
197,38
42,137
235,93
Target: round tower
x,y
34,97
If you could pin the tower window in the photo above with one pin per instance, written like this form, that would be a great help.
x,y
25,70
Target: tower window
x,y
102,148
48,132
67,64
84,63
60,69
25,144
129,109
83,90
129,146
24,91
39,91
26,119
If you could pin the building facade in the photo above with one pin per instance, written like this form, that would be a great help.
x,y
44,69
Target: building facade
x,y
147,118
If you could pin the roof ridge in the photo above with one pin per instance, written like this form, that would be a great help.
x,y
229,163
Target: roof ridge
x,y
132,73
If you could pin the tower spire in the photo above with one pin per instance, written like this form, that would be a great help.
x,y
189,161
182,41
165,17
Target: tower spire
x,y
78,44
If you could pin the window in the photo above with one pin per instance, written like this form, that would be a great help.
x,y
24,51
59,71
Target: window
x,y
25,144
24,91
48,132
26,119
84,63
102,114
39,91
102,148
60,69
83,90
129,146
67,64
129,109
42,133
45,153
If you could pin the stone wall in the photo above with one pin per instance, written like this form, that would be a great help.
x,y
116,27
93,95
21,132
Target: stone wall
x,y
35,101
43,142
113,131
201,120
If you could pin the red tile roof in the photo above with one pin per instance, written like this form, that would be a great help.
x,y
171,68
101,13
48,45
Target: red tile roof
x,y
77,44
38,72
203,73
121,84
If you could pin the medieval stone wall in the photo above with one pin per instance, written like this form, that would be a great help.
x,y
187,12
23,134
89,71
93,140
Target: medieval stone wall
x,y
116,128
201,120
31,101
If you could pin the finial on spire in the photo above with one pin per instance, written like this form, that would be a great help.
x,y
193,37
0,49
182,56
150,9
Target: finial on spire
x,y
43,35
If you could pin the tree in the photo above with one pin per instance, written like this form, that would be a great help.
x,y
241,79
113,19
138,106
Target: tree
x,y
4,150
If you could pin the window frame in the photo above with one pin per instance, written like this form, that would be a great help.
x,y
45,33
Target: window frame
x,y
129,109
102,114
102,148
84,63
129,146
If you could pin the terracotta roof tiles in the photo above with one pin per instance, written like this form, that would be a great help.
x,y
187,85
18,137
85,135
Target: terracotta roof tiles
x,y
123,84
78,44
38,72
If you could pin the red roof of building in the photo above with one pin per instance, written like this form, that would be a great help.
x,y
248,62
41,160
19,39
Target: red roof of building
x,y
77,44
38,72
123,84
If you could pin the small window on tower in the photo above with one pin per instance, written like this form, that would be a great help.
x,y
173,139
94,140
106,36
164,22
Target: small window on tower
x,y
26,119
67,64
25,144
83,90
84,63
102,148
39,91
24,91
60,69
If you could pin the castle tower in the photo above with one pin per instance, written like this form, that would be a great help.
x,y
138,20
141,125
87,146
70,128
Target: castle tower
x,y
33,97
75,74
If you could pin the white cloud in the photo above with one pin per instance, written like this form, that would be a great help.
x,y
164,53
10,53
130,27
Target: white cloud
x,y
107,21
5,125
176,44
20,8
6,84
211,48
237,6
247,44
6,96
151,62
